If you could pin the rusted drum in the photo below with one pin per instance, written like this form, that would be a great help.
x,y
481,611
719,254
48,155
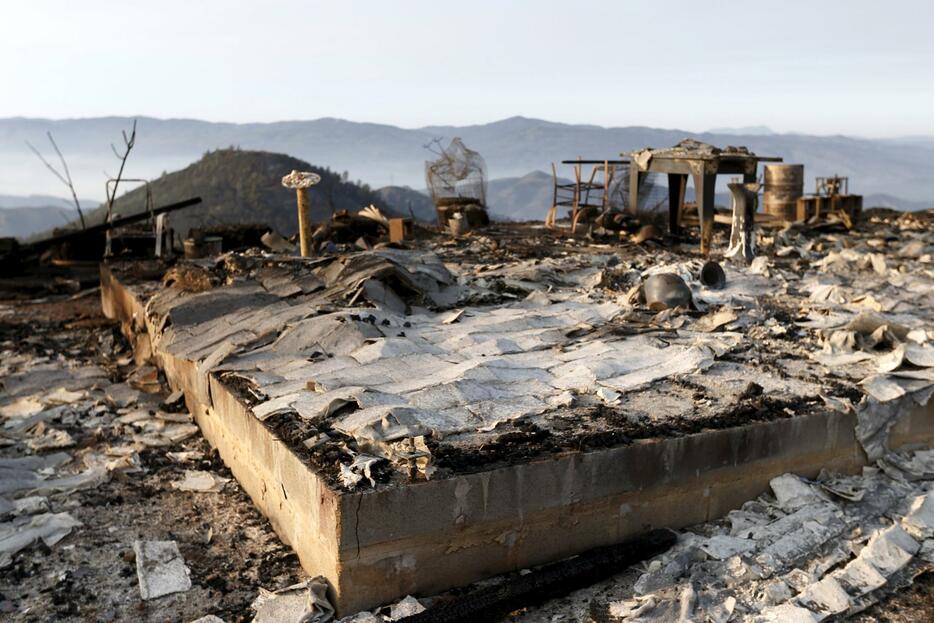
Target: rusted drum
x,y
712,275
784,183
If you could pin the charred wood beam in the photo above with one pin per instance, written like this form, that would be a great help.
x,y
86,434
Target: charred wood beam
x,y
41,245
547,582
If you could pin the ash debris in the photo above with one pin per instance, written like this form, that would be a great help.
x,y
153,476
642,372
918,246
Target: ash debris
x,y
93,450
383,364
459,354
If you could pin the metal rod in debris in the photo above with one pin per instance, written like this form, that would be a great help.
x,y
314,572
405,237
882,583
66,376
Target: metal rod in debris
x,y
39,245
301,181
742,234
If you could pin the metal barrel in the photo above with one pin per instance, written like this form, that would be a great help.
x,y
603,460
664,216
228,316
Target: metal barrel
x,y
784,183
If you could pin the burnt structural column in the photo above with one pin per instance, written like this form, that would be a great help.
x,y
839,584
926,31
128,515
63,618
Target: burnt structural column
x,y
677,183
704,189
635,181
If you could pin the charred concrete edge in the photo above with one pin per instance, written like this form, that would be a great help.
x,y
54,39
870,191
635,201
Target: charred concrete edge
x,y
529,514
303,511
376,546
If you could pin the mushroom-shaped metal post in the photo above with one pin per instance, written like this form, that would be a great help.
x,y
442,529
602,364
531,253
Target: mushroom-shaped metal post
x,y
301,181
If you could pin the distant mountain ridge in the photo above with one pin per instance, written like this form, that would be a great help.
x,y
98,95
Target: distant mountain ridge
x,y
22,216
382,154
25,221
522,198
750,130
43,201
525,198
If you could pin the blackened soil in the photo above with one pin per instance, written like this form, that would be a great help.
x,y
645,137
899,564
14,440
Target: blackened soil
x,y
526,441
606,427
325,459
240,387
65,325
912,605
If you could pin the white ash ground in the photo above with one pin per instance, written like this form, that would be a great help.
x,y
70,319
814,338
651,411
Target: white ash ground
x,y
807,552
116,486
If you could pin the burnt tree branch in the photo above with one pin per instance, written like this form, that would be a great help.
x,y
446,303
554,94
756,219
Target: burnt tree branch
x,y
128,142
63,178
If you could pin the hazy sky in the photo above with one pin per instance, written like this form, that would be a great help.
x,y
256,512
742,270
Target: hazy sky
x,y
859,67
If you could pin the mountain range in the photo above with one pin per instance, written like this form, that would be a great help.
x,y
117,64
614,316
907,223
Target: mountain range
x,y
892,172
22,216
382,155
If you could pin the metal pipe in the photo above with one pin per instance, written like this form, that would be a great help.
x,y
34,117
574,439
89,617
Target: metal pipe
x,y
742,233
301,181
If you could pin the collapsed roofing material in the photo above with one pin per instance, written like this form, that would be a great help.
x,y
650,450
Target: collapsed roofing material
x,y
409,371
406,372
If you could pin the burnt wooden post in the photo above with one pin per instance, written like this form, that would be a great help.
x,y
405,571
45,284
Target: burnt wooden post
x,y
677,183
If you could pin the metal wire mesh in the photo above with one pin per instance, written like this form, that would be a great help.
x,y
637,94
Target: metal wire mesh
x,y
457,176
652,193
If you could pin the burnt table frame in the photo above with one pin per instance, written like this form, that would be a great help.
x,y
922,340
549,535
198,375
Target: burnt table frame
x,y
704,169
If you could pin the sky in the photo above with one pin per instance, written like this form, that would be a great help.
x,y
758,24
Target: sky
x,y
857,67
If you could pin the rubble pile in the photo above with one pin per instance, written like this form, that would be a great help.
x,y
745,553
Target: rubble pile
x,y
807,552
386,366
395,356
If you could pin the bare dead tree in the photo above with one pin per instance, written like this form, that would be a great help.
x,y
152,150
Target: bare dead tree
x,y
64,178
128,143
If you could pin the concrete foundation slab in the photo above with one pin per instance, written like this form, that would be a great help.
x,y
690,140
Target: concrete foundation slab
x,y
423,537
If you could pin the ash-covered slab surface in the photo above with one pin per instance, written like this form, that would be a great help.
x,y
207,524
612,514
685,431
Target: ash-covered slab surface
x,y
387,346
392,367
